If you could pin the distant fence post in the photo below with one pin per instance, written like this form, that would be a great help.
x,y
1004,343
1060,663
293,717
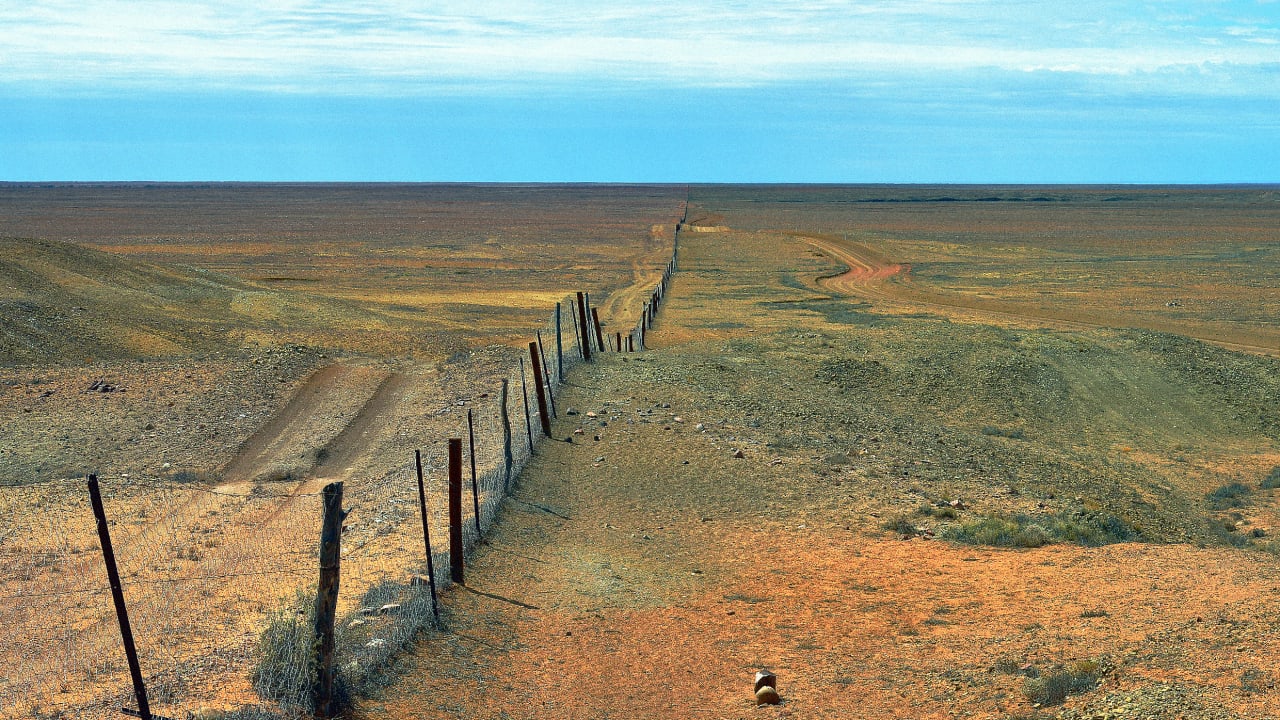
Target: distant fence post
x,y
582,321
475,486
327,597
618,340
528,423
455,510
117,596
559,348
541,393
426,536
507,460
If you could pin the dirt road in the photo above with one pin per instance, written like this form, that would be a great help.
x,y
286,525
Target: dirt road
x,y
875,278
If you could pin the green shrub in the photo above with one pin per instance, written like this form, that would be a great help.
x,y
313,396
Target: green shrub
x,y
1081,528
1272,481
1228,496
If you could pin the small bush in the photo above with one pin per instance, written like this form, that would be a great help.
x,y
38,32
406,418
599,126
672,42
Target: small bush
x,y
1081,528
1271,481
900,524
942,512
1053,688
993,431
287,656
1228,496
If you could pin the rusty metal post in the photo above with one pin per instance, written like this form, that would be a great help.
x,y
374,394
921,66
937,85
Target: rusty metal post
x,y
426,535
524,390
540,394
546,373
117,596
455,510
595,320
582,321
559,348
475,487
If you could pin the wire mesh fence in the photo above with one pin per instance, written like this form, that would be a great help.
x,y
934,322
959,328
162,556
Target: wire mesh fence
x,y
219,580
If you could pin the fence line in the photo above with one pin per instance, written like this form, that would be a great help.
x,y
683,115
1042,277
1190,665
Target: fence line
x,y
201,568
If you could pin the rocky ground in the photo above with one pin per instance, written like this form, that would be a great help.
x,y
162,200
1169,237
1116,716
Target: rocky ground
x,y
787,480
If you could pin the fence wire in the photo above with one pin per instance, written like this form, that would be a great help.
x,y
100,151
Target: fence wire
x,y
219,581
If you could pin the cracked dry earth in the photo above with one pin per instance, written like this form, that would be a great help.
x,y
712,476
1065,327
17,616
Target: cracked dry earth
x,y
645,570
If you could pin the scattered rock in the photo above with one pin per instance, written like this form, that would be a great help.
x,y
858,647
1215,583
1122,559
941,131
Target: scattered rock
x,y
766,678
591,414
375,643
700,427
570,411
389,609
739,454
767,696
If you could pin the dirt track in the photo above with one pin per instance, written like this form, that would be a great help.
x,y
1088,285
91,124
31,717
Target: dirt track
x,y
871,276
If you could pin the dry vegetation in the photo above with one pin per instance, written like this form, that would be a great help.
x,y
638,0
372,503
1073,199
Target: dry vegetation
x,y
925,452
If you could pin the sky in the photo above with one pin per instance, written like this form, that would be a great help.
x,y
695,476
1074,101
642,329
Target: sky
x,y
1094,91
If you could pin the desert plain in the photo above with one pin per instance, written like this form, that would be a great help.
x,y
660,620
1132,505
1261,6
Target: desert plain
x,y
923,452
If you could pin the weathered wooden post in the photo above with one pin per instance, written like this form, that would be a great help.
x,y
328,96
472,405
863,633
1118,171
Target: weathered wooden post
x,y
326,607
524,390
595,320
475,487
540,394
618,341
582,320
455,510
507,460
426,536
117,597
559,348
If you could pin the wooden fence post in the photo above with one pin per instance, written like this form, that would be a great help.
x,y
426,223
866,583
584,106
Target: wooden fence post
x,y
540,394
582,320
426,536
507,460
455,510
595,319
559,348
618,341
326,607
524,390
475,487
117,597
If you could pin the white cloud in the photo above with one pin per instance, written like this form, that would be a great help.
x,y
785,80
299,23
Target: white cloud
x,y
376,45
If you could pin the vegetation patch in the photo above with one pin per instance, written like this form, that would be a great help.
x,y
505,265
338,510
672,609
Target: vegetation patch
x,y
1272,480
1054,687
1081,528
1233,495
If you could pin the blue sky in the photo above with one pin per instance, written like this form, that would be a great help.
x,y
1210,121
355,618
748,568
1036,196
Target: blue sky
x,y
689,91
